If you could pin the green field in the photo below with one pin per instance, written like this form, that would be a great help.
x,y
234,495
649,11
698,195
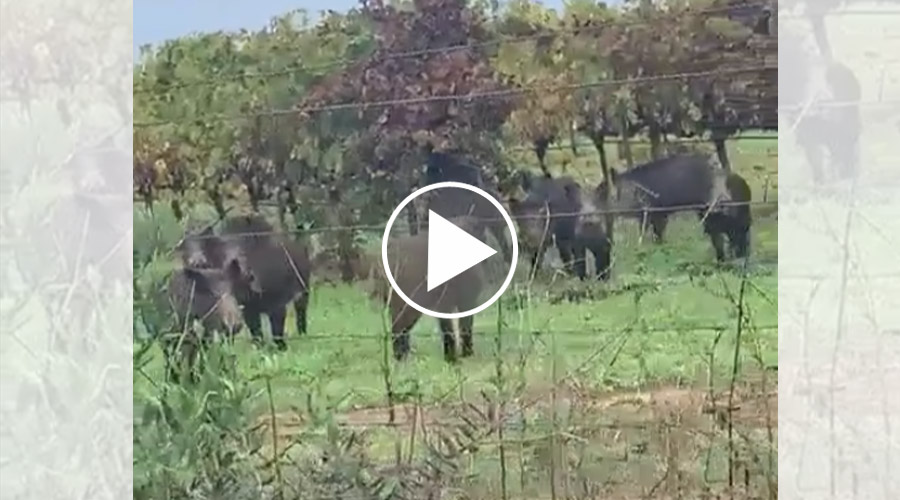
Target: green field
x,y
591,387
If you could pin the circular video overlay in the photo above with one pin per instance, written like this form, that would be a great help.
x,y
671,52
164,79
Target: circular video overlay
x,y
445,270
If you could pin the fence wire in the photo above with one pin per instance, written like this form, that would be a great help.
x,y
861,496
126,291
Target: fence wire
x,y
555,215
495,94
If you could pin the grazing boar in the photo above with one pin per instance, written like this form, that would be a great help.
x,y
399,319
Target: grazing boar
x,y
280,268
553,208
207,295
652,192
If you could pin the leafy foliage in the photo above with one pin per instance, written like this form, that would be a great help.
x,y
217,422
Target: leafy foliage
x,y
280,114
425,55
193,440
539,63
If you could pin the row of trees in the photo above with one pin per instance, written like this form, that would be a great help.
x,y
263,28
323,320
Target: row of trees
x,y
344,109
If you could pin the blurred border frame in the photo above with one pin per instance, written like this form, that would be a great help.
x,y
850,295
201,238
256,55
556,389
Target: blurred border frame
x,y
66,210
839,275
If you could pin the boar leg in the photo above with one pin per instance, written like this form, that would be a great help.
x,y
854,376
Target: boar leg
x,y
715,226
499,233
465,331
602,259
718,243
537,257
401,345
739,241
449,339
300,306
276,321
579,259
252,317
403,318
466,302
565,252
659,221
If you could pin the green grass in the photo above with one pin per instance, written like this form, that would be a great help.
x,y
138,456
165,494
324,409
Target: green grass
x,y
667,320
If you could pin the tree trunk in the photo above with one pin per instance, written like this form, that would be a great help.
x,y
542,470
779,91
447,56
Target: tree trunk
x,y
291,202
655,140
609,220
540,150
343,234
346,253
626,144
215,196
573,136
282,212
254,197
412,219
722,153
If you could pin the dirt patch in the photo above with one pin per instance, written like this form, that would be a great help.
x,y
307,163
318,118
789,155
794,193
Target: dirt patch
x,y
749,408
291,424
661,442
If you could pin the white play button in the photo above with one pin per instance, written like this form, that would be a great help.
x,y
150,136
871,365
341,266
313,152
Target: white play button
x,y
451,250
426,264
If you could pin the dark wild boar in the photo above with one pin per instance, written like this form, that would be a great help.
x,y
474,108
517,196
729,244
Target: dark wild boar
x,y
208,296
280,267
554,209
590,236
654,191
409,264
732,220
532,217
550,207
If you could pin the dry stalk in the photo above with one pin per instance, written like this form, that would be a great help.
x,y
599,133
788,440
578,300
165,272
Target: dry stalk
x,y
735,369
501,391
273,421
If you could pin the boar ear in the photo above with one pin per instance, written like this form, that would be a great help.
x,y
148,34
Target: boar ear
x,y
234,269
238,272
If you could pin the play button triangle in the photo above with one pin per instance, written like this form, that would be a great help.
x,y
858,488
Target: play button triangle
x,y
451,250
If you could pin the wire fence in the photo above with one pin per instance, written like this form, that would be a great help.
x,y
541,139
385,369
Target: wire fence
x,y
588,331
495,94
879,104
521,217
